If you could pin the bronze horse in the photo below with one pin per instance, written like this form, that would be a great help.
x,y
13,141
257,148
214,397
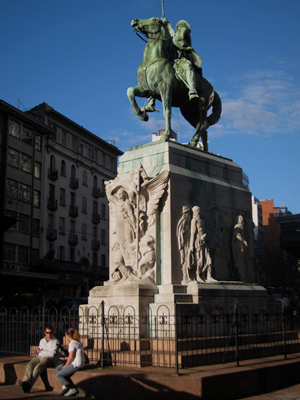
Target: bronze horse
x,y
157,80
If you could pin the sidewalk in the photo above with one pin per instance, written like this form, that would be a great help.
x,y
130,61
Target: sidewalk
x,y
9,392
215,382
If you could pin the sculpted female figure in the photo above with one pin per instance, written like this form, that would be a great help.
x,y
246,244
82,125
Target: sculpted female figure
x,y
199,249
239,245
125,223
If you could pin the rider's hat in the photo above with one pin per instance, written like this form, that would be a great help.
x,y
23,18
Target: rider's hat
x,y
184,23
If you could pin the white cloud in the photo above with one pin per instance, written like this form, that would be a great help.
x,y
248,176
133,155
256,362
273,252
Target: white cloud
x,y
265,102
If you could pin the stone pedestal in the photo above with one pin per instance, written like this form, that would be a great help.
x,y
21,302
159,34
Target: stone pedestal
x,y
195,178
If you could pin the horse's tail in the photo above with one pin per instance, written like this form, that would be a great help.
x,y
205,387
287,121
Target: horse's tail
x,y
216,113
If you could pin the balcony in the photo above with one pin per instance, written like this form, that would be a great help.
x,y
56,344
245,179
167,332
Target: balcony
x,y
96,191
95,218
52,204
73,211
95,244
53,174
73,239
74,183
51,234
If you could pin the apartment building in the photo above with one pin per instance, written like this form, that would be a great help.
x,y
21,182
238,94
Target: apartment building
x,y
281,227
54,203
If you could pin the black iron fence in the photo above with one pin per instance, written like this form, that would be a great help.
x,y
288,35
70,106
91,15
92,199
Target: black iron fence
x,y
186,336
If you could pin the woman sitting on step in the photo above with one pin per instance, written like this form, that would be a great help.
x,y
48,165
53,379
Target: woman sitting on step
x,y
74,362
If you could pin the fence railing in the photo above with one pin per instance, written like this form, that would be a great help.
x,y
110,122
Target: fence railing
x,y
190,336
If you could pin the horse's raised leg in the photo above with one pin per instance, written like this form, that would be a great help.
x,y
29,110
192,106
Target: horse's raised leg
x,y
132,92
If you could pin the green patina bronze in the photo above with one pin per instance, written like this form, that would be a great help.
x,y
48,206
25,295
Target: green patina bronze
x,y
171,72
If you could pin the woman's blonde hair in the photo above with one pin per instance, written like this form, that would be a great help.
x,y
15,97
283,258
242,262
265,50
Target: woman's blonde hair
x,y
74,334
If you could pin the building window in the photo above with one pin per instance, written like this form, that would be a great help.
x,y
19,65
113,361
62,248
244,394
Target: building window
x,y
103,260
10,251
51,221
74,143
13,158
95,181
103,210
27,135
24,194
38,142
23,253
72,226
104,160
84,178
14,128
72,254
63,169
26,162
12,189
62,228
64,137
52,163
95,207
37,170
51,192
62,197
62,253
54,133
102,236
73,172
36,198
24,223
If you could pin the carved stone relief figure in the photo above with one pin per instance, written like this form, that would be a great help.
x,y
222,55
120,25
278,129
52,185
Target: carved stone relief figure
x,y
239,249
199,256
182,233
133,200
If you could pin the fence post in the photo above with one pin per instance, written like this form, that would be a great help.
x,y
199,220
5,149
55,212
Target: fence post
x,y
283,315
237,357
176,338
102,333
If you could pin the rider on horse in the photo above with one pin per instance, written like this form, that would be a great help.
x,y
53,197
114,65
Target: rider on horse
x,y
187,60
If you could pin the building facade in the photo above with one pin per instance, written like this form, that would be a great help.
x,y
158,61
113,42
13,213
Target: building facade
x,y
54,203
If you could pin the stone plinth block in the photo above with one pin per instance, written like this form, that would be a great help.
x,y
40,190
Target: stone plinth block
x,y
213,183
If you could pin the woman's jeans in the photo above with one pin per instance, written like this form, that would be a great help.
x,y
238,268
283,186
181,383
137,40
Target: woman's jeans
x,y
64,375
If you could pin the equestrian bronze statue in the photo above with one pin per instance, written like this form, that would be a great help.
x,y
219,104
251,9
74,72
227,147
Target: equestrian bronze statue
x,y
171,72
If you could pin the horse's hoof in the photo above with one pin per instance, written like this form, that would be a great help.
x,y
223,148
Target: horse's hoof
x,y
144,116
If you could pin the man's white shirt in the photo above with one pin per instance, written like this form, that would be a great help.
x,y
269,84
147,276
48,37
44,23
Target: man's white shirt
x,y
48,347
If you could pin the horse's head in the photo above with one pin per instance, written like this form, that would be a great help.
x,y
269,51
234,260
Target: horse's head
x,y
147,27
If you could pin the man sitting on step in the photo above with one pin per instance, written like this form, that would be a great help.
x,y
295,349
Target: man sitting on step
x,y
43,359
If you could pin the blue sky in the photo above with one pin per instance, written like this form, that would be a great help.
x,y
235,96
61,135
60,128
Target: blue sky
x,y
80,56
